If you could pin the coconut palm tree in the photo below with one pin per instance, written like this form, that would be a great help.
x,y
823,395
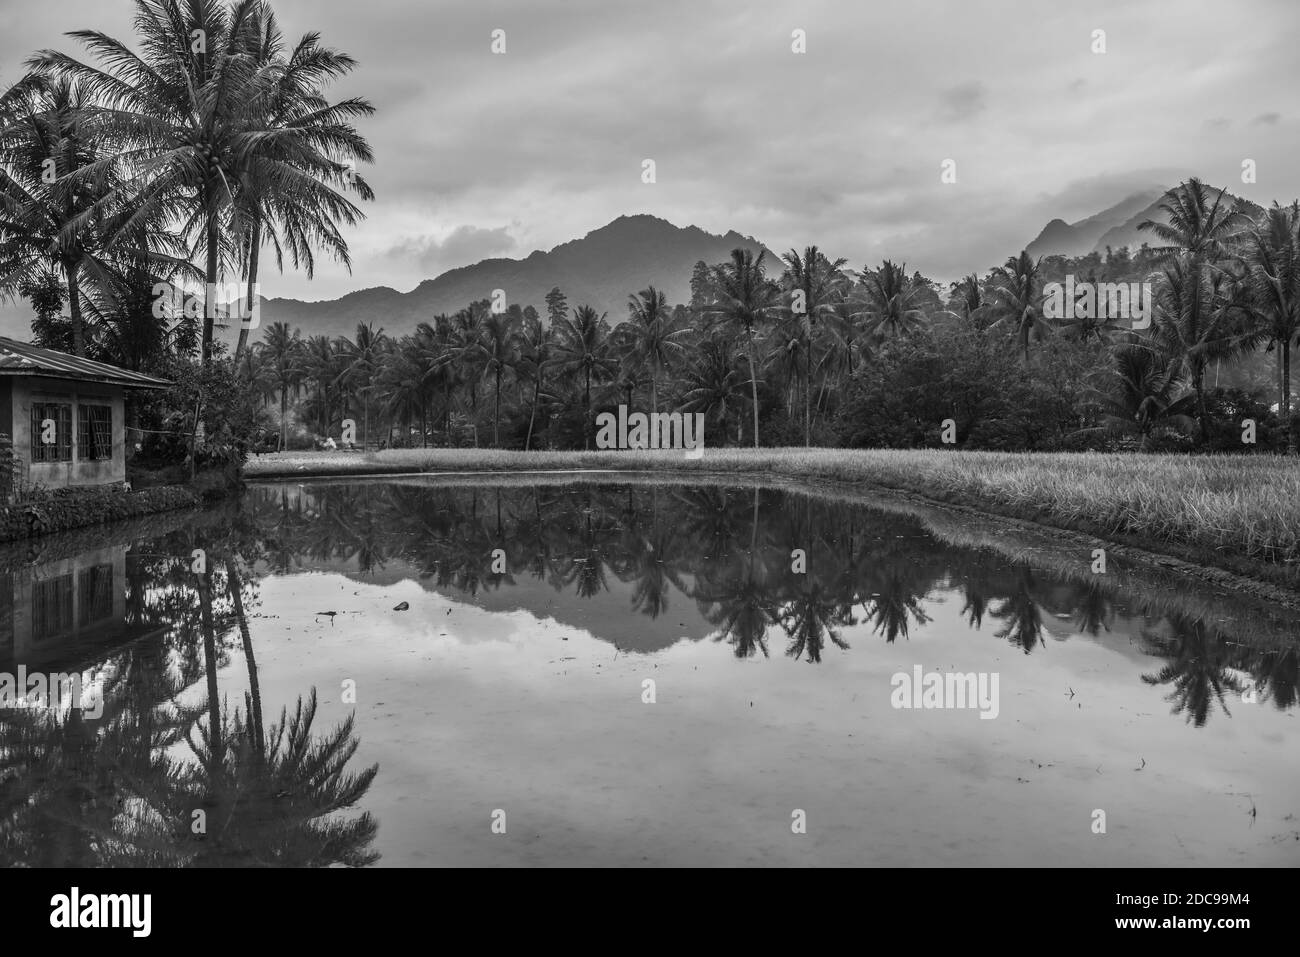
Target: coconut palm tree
x,y
208,109
1017,300
179,113
52,213
744,299
658,341
817,283
282,354
889,303
1148,391
289,179
712,385
1202,314
582,352
1272,256
535,347
361,357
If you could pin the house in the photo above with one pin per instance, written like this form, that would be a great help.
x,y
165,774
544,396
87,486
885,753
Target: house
x,y
64,415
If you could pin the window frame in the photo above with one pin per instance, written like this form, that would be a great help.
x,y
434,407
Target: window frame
x,y
60,450
88,444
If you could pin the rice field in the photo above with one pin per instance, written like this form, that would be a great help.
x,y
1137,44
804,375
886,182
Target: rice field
x,y
1239,506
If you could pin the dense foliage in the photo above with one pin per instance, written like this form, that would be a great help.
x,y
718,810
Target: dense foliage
x,y
820,354
141,179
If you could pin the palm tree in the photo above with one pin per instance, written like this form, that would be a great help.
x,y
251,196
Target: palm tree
x,y
51,211
1147,391
199,123
320,363
743,300
1272,256
658,342
967,301
711,384
582,351
1202,314
287,179
818,282
1197,225
1018,301
181,117
1200,229
889,301
498,344
362,360
282,350
535,346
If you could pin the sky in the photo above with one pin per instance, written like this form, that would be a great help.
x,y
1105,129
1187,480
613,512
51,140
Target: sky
x,y
482,154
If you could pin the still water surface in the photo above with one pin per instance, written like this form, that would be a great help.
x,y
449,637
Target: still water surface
x,y
621,674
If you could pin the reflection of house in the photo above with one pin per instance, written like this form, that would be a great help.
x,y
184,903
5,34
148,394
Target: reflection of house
x,y
57,611
65,415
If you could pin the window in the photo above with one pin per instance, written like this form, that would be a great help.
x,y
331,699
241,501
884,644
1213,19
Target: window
x,y
51,432
95,591
51,607
95,437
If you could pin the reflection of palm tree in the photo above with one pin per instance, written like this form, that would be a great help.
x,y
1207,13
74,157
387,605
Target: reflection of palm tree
x,y
1092,611
895,601
810,619
1020,611
1198,670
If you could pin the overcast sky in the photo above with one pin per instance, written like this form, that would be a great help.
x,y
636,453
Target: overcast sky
x,y
483,155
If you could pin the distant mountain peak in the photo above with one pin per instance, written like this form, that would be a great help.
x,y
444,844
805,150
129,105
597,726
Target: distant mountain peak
x,y
600,269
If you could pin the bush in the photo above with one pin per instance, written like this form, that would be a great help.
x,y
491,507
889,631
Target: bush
x,y
59,509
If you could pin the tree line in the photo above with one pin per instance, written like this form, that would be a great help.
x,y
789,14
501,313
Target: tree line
x,y
807,351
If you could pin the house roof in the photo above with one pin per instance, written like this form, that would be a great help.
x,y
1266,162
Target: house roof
x,y
22,358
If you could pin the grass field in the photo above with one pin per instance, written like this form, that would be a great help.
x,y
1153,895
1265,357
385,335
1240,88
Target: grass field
x,y
1245,506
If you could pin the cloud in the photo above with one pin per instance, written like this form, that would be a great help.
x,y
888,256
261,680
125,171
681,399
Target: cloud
x,y
463,246
963,101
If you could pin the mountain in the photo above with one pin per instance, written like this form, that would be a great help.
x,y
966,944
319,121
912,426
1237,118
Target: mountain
x,y
1116,226
601,269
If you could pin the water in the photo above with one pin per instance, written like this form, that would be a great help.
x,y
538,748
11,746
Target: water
x,y
653,679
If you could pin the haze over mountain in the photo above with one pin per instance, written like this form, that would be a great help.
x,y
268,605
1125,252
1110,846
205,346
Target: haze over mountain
x,y
1115,227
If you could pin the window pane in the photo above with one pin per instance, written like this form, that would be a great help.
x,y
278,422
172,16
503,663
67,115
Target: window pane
x,y
60,448
95,432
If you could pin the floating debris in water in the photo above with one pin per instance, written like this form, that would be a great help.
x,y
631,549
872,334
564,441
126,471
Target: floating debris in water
x,y
402,607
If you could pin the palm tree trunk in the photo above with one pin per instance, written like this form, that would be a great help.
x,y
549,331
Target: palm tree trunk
x,y
1286,397
753,384
496,413
74,310
254,248
1198,382
807,393
210,668
254,689
284,412
537,390
586,413
210,275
